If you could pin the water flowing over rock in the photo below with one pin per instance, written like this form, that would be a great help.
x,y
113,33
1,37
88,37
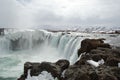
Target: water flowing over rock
x,y
66,44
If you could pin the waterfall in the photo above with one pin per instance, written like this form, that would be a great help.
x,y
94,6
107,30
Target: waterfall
x,y
66,44
4,44
21,46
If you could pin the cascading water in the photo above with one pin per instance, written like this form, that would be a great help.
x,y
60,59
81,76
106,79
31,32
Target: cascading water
x,y
20,46
17,47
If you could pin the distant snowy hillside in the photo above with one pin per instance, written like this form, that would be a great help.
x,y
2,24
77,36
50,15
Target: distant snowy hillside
x,y
88,29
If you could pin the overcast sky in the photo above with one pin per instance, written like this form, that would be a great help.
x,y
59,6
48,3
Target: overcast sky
x,y
32,13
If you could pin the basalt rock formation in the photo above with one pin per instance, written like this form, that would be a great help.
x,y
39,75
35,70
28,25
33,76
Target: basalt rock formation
x,y
82,70
88,44
55,69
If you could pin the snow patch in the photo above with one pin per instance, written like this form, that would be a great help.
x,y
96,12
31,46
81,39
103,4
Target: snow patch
x,y
96,64
43,76
119,65
63,73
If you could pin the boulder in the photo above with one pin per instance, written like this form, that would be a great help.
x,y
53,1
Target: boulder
x,y
112,61
87,72
55,69
107,77
107,71
64,64
83,60
116,72
34,67
110,56
88,44
75,73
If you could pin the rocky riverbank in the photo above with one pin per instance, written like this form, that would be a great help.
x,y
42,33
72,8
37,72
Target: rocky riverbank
x,y
97,63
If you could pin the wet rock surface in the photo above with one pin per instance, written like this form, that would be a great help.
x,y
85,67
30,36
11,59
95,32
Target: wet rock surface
x,y
107,71
55,69
81,70
88,44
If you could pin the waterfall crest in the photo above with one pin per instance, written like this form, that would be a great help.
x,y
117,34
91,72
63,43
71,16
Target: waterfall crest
x,y
20,46
66,44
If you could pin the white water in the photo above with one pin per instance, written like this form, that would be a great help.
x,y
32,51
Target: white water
x,y
38,46
43,76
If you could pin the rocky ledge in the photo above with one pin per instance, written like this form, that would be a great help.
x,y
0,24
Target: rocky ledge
x,y
98,63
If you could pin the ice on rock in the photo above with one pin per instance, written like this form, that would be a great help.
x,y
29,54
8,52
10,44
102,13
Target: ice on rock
x,y
119,65
93,63
96,64
100,62
63,73
43,76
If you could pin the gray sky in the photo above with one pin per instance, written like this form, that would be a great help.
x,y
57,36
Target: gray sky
x,y
31,13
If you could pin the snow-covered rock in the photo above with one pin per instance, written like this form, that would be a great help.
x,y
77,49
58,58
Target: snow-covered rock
x,y
119,65
43,76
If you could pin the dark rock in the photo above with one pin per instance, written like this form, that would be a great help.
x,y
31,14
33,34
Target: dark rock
x,y
97,57
107,77
35,69
93,76
116,72
88,44
64,64
117,32
27,66
108,71
104,53
75,73
22,77
83,60
55,69
111,61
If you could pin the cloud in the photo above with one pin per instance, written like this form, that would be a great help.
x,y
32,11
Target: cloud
x,y
13,14
32,13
